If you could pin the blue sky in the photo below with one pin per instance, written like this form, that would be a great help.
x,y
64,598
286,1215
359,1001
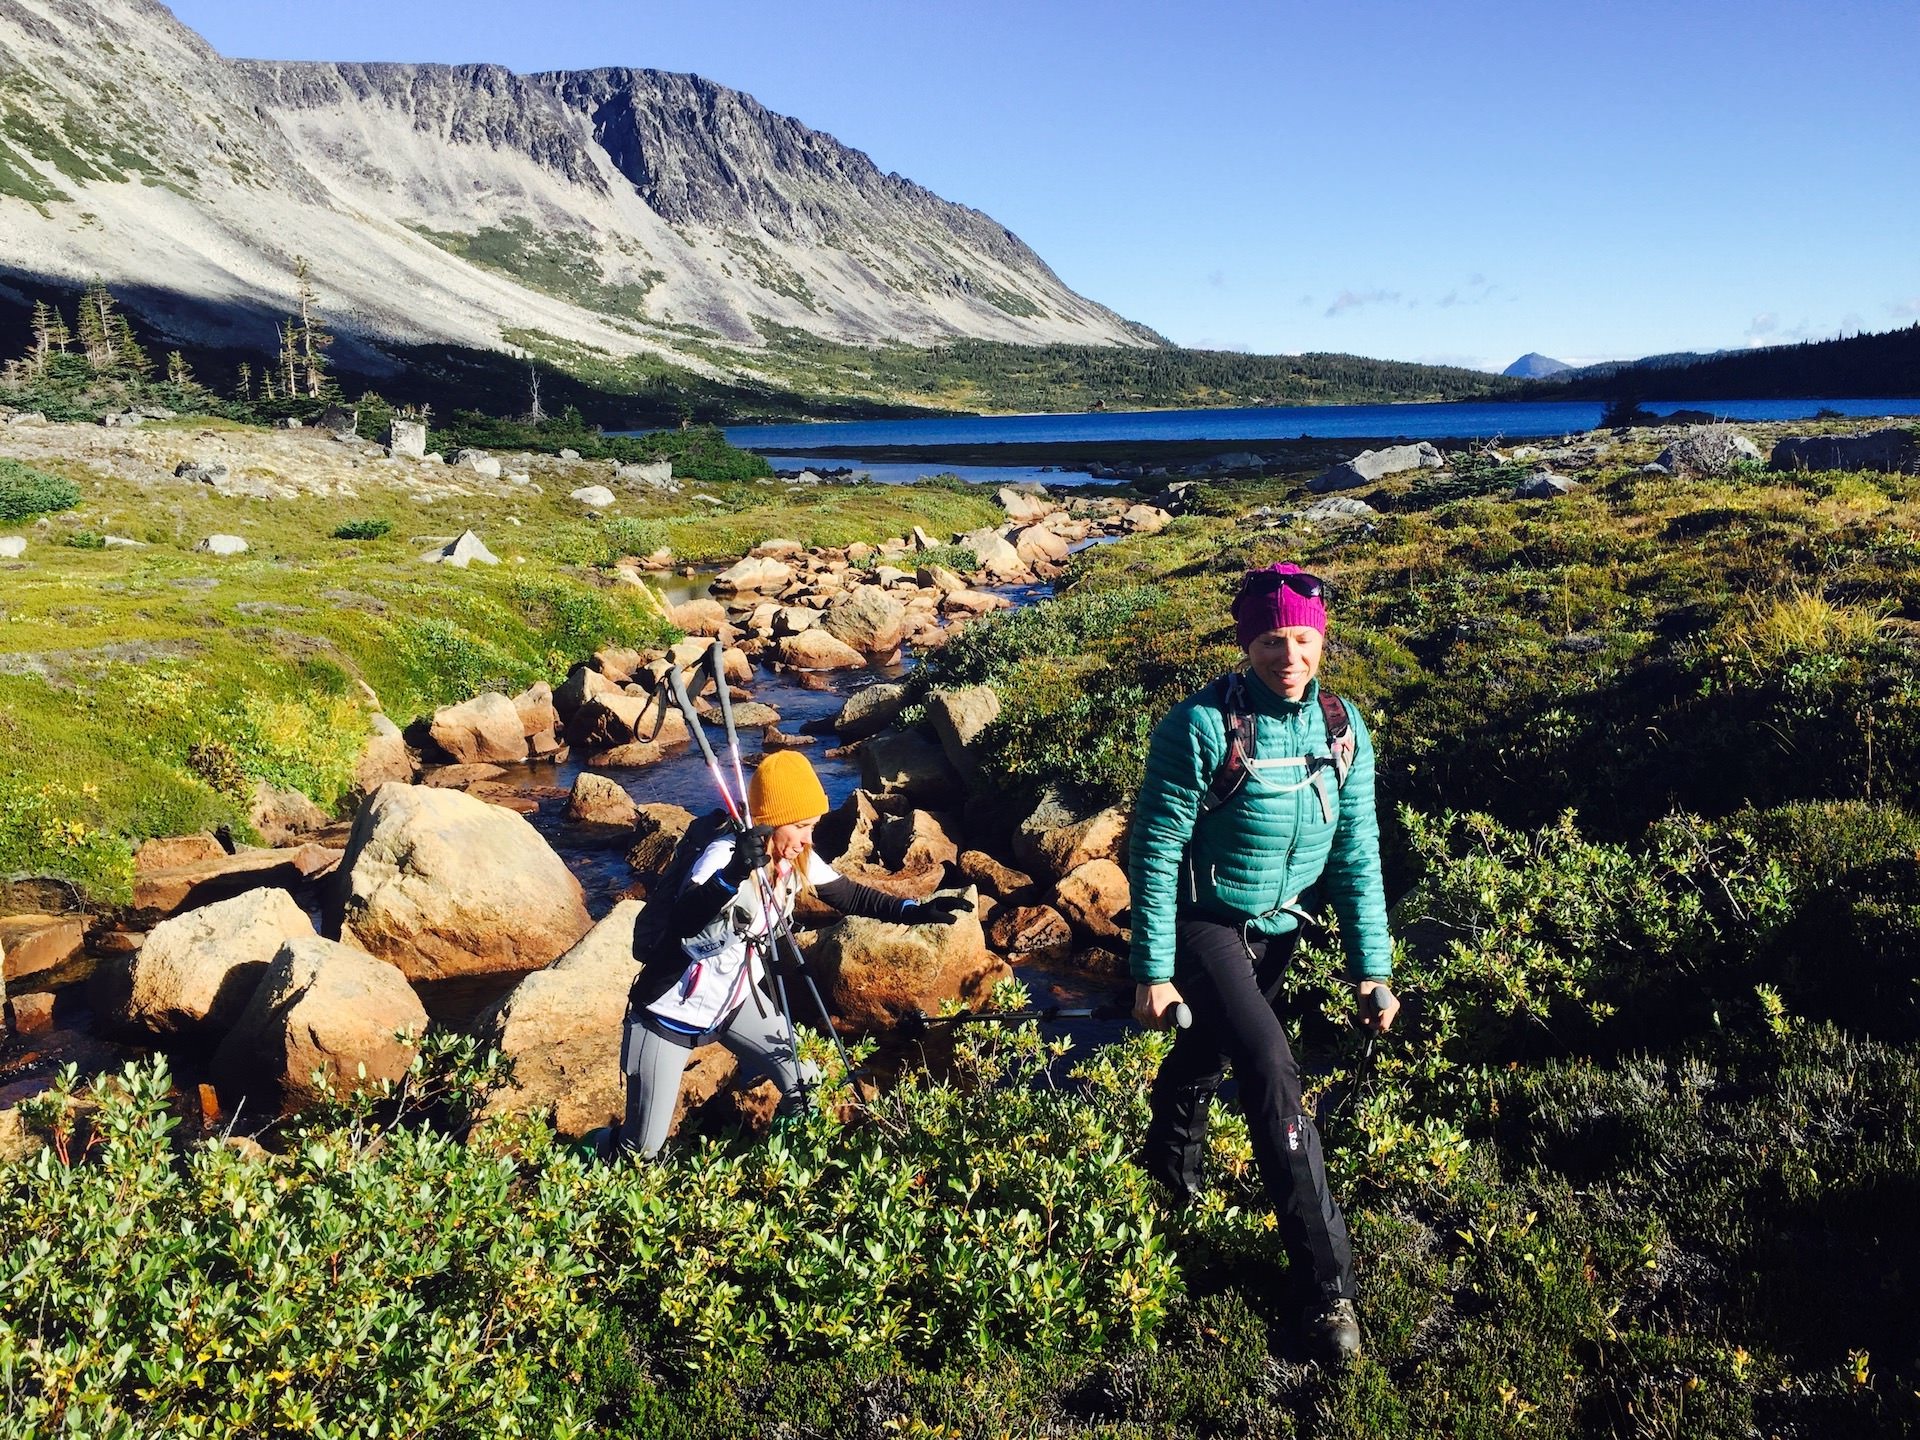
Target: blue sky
x,y
1440,182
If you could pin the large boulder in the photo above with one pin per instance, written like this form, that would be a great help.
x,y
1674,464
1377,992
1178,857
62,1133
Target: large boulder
x,y
1371,465
620,719
913,842
407,439
1544,485
754,573
37,945
1025,503
703,616
1003,882
160,892
463,550
482,731
1894,449
599,809
561,1029
383,758
1038,545
321,1006
1094,896
594,497
1058,837
870,710
1031,932
537,712
908,765
195,973
876,974
283,817
1708,450
646,475
958,717
1145,519
997,555
439,883
583,683
818,650
657,828
868,620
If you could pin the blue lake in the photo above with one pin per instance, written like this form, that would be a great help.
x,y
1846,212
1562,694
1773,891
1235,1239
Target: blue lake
x,y
1528,419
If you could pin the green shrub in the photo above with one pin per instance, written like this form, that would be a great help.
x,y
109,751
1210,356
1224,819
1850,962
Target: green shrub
x,y
364,530
86,540
25,492
379,1277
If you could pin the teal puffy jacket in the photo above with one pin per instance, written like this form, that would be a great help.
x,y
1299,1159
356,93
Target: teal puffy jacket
x,y
1273,839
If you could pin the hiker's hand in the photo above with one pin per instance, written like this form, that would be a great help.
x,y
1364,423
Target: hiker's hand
x,y
1378,1005
749,855
1153,1004
941,910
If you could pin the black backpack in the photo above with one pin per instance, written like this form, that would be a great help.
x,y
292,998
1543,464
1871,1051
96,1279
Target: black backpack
x,y
1228,695
653,937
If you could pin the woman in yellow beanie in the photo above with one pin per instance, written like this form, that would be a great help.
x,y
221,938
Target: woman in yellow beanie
x,y
709,980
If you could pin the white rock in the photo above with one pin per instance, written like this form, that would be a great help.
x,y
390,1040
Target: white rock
x,y
12,547
594,497
222,545
462,551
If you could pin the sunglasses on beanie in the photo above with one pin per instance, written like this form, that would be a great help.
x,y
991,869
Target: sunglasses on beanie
x,y
1269,582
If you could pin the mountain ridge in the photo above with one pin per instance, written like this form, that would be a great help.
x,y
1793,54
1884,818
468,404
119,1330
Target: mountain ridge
x,y
615,211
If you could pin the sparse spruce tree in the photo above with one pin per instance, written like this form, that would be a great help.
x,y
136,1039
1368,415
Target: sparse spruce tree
x,y
243,383
290,359
315,339
98,332
50,337
179,373
128,355
534,413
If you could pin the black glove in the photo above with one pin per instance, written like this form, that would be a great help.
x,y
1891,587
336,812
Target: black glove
x,y
749,855
941,910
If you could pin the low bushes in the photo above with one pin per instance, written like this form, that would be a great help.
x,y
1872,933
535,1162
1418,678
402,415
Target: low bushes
x,y
26,492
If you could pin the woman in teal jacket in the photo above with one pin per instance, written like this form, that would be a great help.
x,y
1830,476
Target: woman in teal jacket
x,y
1252,794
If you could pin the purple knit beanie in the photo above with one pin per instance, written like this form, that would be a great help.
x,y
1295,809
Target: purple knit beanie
x,y
1267,602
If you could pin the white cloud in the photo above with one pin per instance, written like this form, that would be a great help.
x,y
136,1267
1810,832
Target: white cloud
x,y
1904,309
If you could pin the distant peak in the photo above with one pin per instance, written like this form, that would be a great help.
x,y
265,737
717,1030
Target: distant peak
x,y
1535,366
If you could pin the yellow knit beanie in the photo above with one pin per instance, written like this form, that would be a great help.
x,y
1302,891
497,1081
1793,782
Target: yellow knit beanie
x,y
784,790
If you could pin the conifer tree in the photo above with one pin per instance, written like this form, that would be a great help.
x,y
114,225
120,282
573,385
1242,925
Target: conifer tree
x,y
315,339
290,359
99,335
50,337
243,382
128,355
178,372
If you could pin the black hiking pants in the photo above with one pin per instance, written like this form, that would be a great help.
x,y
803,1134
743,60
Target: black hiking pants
x,y
1232,989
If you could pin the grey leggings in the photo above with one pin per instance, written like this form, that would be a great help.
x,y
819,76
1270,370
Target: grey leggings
x,y
761,1043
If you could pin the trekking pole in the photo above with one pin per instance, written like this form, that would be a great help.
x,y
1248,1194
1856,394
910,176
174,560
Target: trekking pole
x,y
919,1021
1377,1000
742,819
717,659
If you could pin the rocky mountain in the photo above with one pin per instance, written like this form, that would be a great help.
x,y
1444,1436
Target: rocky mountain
x,y
1535,366
629,211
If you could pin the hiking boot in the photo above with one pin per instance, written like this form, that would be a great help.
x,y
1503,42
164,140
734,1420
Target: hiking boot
x,y
1333,1332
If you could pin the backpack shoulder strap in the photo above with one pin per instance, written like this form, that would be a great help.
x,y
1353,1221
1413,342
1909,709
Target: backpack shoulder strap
x,y
1228,694
1340,737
